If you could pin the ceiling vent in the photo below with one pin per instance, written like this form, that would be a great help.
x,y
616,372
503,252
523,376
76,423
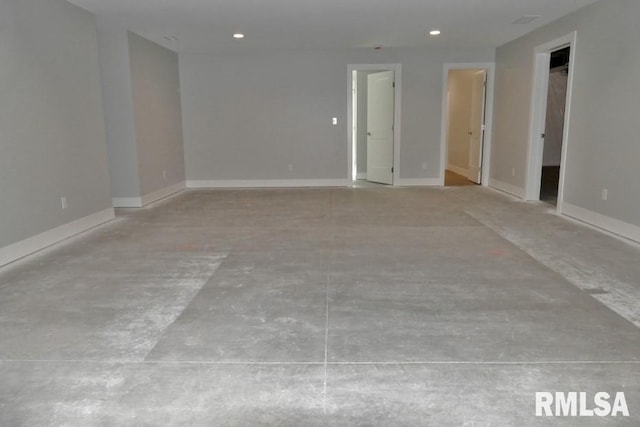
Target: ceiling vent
x,y
526,19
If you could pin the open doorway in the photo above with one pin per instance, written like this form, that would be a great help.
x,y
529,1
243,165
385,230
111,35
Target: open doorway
x,y
467,114
550,117
374,113
465,133
554,126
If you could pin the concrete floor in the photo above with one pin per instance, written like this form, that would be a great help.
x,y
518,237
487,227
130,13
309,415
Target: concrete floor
x,y
368,306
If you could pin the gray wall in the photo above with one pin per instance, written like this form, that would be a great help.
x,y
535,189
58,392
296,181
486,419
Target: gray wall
x,y
250,116
603,148
141,86
155,81
52,138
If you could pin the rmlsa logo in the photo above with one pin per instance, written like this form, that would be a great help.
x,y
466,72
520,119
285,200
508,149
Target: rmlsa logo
x,y
580,404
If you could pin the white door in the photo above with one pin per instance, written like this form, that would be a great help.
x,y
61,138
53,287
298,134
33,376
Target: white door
x,y
477,126
380,116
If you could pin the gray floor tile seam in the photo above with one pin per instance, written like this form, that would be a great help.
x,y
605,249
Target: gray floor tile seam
x,y
327,310
322,363
335,227
233,251
326,352
326,332
618,310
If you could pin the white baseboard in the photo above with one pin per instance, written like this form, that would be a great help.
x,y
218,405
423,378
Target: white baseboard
x,y
162,193
457,169
271,183
361,175
139,202
41,241
506,188
606,223
127,202
419,182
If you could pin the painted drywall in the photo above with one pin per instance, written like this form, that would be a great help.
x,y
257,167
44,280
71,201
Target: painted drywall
x,y
460,92
118,109
143,115
556,103
52,142
158,114
250,116
602,147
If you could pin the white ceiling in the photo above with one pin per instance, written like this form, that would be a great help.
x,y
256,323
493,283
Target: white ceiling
x,y
207,25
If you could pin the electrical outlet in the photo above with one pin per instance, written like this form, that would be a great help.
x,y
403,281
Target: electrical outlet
x,y
513,172
290,167
63,202
424,166
164,174
605,194
335,121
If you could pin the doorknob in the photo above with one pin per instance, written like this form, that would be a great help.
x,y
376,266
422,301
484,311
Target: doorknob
x,y
470,133
368,133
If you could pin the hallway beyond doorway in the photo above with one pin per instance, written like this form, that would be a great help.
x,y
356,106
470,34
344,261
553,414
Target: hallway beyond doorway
x,y
452,179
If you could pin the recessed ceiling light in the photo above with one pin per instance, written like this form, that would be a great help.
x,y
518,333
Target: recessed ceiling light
x,y
435,32
238,36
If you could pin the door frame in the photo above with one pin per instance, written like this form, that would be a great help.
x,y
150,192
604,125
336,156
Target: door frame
x,y
397,125
490,68
538,116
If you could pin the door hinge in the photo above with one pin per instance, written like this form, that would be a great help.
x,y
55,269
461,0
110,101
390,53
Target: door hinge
x,y
391,169
543,136
393,84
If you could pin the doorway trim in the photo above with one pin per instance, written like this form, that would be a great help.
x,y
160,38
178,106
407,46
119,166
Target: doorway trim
x,y
490,68
538,119
397,129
